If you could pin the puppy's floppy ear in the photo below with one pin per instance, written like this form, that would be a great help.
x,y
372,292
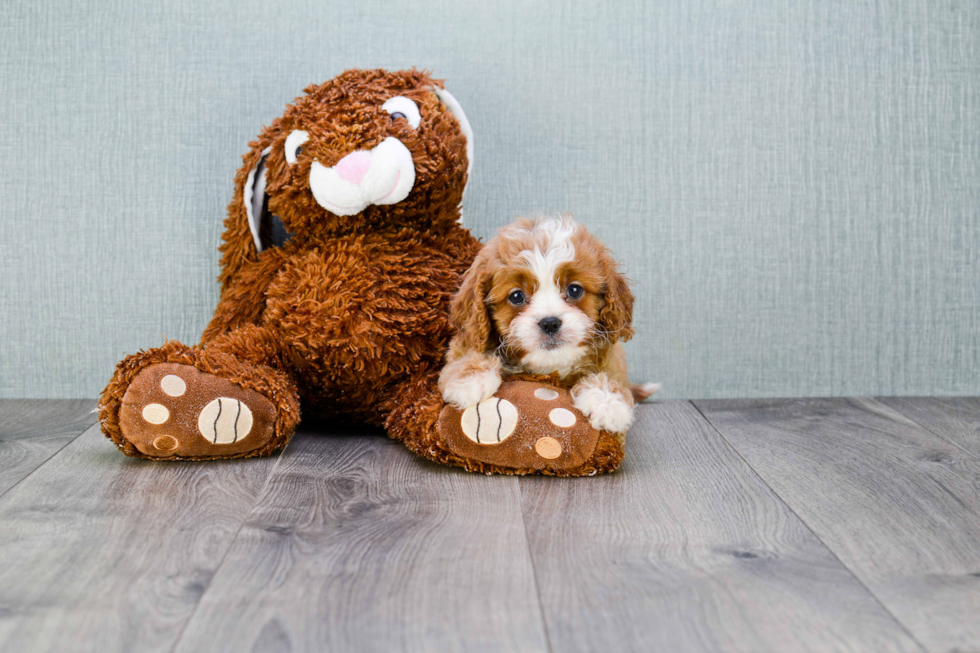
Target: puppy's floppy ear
x,y
616,317
469,312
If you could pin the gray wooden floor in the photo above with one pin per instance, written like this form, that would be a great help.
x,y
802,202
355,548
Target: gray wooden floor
x,y
762,525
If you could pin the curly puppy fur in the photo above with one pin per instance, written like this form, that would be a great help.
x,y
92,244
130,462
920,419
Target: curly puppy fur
x,y
348,317
544,296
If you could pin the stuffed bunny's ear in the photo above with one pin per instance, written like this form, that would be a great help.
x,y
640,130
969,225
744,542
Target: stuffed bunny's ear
x,y
464,124
255,198
267,229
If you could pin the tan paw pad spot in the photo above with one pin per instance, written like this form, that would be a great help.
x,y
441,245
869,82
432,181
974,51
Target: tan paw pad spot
x,y
562,417
173,385
155,413
546,394
166,443
225,421
548,447
489,422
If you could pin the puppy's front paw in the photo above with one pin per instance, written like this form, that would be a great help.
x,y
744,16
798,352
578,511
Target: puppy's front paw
x,y
471,390
469,380
607,410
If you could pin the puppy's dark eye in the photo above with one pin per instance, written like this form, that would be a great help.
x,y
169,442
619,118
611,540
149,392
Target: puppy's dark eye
x,y
397,114
516,298
299,151
574,291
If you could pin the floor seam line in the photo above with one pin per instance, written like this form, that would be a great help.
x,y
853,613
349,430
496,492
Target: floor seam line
x,y
231,544
534,569
48,459
925,428
810,529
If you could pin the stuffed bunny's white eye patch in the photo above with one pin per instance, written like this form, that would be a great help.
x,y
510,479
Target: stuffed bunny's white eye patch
x,y
294,144
401,107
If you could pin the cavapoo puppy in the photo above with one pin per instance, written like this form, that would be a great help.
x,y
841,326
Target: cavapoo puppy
x,y
544,296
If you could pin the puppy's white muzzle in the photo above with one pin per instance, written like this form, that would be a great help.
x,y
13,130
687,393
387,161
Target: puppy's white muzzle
x,y
384,175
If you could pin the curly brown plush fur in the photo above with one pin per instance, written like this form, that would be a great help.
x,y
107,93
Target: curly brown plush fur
x,y
348,317
349,310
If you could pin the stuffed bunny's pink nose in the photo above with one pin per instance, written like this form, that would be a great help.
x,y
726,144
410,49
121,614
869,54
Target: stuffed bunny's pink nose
x,y
354,166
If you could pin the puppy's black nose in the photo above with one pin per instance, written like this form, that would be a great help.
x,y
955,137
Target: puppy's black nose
x,y
550,325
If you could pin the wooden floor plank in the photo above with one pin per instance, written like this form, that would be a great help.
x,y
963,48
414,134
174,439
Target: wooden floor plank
x,y
897,504
686,549
103,552
357,545
955,419
33,430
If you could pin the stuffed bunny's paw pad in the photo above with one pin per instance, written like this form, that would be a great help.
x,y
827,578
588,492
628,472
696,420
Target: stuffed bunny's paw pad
x,y
174,410
527,426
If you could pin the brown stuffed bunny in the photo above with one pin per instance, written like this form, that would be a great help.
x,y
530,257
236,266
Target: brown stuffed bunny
x,y
342,249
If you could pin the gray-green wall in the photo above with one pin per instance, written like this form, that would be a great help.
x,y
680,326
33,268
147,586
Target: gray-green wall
x,y
793,186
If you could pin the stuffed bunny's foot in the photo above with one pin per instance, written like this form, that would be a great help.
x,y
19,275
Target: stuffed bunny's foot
x,y
174,410
528,427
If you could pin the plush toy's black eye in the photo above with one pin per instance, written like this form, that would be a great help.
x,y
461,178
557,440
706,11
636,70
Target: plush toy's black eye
x,y
401,107
516,298
574,291
294,145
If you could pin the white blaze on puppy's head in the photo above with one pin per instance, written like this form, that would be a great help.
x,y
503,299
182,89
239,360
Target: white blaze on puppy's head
x,y
550,329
